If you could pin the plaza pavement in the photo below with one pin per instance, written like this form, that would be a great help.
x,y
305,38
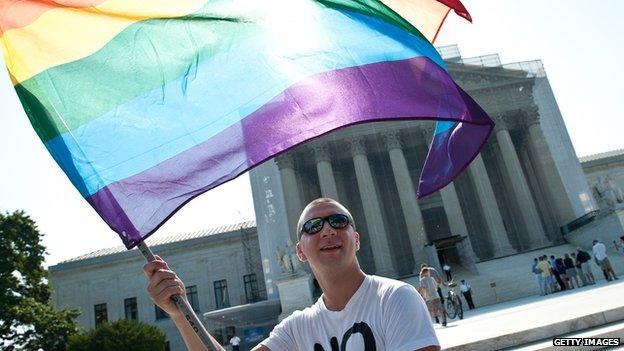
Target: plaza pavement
x,y
530,323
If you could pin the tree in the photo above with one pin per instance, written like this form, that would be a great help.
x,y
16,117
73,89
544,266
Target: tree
x,y
122,335
27,319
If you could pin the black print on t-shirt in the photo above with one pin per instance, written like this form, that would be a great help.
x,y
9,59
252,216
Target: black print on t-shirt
x,y
359,328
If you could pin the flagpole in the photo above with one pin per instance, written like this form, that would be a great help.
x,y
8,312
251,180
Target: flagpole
x,y
183,305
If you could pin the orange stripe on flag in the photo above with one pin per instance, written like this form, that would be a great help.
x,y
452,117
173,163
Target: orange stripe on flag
x,y
20,13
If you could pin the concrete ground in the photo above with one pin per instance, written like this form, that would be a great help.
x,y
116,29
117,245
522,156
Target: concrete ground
x,y
535,319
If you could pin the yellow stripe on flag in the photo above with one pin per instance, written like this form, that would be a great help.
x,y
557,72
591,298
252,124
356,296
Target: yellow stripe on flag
x,y
68,34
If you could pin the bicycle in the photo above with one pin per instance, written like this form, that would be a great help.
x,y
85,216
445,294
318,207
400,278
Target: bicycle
x,y
453,302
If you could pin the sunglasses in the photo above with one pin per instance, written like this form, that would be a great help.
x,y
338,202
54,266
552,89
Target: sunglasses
x,y
336,221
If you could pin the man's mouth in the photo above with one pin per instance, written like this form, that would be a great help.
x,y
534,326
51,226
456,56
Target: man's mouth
x,y
331,247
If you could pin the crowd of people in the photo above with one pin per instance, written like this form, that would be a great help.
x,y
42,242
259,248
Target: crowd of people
x,y
573,270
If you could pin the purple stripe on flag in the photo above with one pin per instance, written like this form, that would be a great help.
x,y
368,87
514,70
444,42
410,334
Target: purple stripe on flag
x,y
415,88
449,154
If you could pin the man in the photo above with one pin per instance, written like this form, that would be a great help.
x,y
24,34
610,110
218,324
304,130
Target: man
x,y
235,342
387,314
447,270
556,273
547,282
577,265
583,257
466,290
600,254
433,273
428,289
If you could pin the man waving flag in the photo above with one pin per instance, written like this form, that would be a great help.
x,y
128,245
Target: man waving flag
x,y
146,104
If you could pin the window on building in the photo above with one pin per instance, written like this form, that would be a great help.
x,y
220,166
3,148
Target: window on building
x,y
191,295
221,294
130,307
101,315
252,293
160,313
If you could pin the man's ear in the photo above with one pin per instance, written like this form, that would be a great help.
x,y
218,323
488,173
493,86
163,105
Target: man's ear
x,y
300,254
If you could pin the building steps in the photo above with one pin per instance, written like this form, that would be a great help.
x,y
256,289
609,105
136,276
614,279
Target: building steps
x,y
611,330
534,321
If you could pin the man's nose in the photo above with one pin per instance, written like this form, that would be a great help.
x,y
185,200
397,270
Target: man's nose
x,y
327,230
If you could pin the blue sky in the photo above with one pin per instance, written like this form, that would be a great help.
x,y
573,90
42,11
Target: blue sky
x,y
578,41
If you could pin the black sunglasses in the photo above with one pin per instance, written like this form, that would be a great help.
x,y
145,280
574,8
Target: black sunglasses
x,y
336,221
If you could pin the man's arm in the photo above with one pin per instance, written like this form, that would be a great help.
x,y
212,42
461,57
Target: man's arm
x,y
164,283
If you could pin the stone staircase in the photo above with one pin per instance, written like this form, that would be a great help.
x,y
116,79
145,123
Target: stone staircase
x,y
611,330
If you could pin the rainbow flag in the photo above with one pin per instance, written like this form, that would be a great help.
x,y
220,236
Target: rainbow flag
x,y
146,104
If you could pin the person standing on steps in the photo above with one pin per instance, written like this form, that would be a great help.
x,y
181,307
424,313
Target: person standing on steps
x,y
600,254
466,290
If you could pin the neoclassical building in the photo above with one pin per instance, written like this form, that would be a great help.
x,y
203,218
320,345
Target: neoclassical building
x,y
515,196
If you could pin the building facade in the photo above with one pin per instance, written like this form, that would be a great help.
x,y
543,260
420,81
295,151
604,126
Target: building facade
x,y
514,197
220,268
526,183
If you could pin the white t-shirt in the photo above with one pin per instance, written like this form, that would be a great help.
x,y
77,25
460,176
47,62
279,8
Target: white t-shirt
x,y
383,312
235,341
600,251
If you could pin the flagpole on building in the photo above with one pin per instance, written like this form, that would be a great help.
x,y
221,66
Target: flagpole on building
x,y
183,305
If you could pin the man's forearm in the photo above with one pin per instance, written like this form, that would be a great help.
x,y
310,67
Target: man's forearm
x,y
191,339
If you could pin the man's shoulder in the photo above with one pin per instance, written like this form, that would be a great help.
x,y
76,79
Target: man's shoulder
x,y
387,283
387,288
302,316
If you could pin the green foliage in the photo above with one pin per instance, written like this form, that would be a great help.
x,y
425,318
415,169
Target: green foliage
x,y
27,320
122,335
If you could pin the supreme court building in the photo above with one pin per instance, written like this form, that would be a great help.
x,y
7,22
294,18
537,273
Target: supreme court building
x,y
515,196
525,187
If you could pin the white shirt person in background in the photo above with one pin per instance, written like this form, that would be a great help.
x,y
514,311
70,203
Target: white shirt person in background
x,y
235,342
600,254
356,312
447,270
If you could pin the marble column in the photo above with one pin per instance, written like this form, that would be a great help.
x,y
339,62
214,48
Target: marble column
x,y
520,187
450,201
452,208
489,208
547,170
407,197
325,171
372,210
292,198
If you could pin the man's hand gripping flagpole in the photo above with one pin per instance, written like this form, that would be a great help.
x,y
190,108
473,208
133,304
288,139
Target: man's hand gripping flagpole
x,y
184,307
